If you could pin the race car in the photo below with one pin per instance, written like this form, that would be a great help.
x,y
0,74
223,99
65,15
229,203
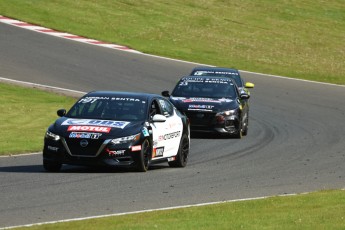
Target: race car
x,y
224,72
118,129
212,104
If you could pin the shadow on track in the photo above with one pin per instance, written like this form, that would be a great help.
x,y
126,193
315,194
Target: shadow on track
x,y
74,169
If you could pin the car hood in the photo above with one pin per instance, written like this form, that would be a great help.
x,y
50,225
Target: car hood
x,y
105,129
185,104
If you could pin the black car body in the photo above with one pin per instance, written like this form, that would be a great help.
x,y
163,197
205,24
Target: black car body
x,y
106,128
212,104
224,72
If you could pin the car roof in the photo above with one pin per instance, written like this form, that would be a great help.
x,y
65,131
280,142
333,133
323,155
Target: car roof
x,y
208,68
138,95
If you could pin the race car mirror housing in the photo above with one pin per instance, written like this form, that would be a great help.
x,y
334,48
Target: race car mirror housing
x,y
166,93
61,112
249,85
159,118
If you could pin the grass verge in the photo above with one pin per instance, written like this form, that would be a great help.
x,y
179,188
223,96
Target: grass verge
x,y
319,210
298,38
26,114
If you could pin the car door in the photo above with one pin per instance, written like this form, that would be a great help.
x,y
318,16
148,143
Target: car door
x,y
166,135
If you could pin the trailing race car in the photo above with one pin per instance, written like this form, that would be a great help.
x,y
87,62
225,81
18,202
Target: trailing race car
x,y
212,104
105,128
223,72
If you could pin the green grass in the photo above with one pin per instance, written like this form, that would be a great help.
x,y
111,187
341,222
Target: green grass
x,y
25,116
297,38
319,210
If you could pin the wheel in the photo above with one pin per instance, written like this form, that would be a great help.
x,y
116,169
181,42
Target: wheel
x,y
144,157
245,129
51,166
239,132
182,153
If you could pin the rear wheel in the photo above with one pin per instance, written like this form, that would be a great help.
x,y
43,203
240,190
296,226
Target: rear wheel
x,y
182,153
144,157
51,166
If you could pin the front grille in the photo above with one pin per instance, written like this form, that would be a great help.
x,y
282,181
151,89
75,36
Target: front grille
x,y
201,118
91,150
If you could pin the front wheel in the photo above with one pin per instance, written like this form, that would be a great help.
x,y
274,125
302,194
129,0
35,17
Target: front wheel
x,y
181,158
144,157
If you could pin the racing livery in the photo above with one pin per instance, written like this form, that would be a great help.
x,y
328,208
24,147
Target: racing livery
x,y
106,128
224,72
212,104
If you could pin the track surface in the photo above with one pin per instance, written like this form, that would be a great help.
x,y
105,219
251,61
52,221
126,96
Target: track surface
x,y
296,140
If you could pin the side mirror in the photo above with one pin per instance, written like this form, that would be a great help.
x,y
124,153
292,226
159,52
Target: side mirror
x,y
249,85
166,93
61,112
159,118
244,96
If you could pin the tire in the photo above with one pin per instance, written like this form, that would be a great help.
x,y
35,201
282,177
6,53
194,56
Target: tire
x,y
239,132
182,154
144,157
51,166
245,129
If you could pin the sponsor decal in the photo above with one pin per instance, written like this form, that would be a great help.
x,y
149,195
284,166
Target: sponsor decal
x,y
145,132
136,148
201,107
106,123
92,99
169,136
158,152
52,148
205,72
171,158
116,152
124,99
86,128
200,99
178,98
225,100
84,135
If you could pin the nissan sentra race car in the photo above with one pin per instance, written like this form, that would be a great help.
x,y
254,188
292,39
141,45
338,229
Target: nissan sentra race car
x,y
224,72
120,129
212,104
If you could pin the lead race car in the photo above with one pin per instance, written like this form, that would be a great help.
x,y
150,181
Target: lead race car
x,y
106,128
213,104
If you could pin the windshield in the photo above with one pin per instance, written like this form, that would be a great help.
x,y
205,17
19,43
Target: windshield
x,y
233,75
109,108
203,87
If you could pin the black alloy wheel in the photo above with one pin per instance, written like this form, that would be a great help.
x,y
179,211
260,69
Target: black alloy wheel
x,y
182,154
144,157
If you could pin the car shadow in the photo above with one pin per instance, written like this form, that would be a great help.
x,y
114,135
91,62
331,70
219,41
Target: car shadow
x,y
74,169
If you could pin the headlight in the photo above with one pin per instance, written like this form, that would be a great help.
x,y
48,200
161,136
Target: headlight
x,y
52,136
123,140
227,113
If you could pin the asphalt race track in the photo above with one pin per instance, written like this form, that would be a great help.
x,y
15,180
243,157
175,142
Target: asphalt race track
x,y
295,142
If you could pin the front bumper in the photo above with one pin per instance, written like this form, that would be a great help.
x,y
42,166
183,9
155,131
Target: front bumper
x,y
103,154
209,122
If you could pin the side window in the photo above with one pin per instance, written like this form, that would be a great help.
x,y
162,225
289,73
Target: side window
x,y
154,108
167,108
